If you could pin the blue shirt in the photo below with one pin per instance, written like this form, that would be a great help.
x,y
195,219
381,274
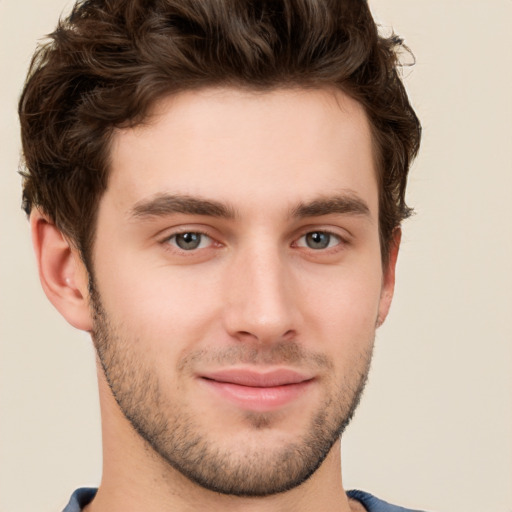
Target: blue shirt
x,y
82,497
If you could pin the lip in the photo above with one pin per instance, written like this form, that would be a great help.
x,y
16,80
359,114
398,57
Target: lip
x,y
256,390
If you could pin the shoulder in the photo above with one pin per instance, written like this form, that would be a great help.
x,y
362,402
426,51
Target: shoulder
x,y
373,504
83,496
79,499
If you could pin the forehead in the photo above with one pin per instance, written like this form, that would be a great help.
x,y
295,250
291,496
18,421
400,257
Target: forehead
x,y
246,148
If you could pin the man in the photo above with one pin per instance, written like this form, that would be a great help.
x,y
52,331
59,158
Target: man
x,y
215,192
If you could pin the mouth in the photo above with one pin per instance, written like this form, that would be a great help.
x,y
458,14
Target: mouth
x,y
255,390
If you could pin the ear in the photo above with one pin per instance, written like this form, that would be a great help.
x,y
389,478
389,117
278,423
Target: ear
x,y
62,273
388,277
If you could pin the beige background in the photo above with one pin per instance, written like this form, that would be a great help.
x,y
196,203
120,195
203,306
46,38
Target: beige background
x,y
434,430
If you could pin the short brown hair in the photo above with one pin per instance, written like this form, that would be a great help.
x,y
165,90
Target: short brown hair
x,y
108,63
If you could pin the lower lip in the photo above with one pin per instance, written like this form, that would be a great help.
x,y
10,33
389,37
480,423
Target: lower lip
x,y
258,399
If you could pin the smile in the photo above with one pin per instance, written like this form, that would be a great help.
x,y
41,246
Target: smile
x,y
256,391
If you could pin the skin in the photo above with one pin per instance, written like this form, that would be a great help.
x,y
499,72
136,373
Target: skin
x,y
256,294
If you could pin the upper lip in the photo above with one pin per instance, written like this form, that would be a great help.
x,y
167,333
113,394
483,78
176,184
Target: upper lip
x,y
257,378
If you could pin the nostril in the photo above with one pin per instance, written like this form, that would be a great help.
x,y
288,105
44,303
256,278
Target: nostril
x,y
288,334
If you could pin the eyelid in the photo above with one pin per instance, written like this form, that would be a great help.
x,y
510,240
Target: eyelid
x,y
342,233
179,229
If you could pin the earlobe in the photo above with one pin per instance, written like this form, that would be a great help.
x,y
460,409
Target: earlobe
x,y
388,277
61,271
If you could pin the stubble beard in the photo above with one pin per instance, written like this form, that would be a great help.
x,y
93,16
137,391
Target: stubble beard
x,y
175,436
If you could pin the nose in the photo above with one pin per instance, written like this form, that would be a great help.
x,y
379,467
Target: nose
x,y
260,303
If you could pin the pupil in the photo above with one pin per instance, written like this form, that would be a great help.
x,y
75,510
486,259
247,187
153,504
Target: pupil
x,y
318,240
188,241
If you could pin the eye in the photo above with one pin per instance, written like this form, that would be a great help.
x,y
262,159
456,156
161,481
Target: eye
x,y
318,240
190,241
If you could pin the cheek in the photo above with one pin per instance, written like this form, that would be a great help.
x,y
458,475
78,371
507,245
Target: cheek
x,y
344,310
179,307
348,291
159,304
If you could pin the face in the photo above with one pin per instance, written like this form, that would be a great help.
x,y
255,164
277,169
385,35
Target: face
x,y
237,281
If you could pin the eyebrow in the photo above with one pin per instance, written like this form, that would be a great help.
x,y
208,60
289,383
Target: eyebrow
x,y
166,204
341,204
